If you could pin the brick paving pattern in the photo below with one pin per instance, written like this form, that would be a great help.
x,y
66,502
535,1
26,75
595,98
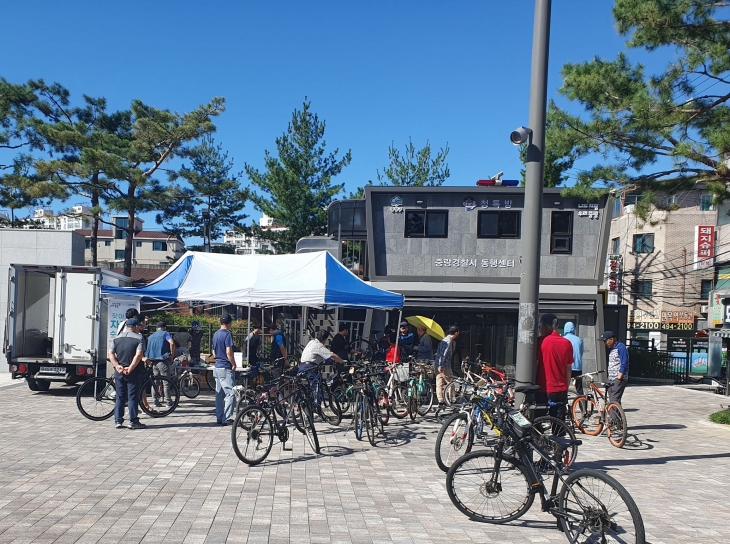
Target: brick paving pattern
x,y
67,479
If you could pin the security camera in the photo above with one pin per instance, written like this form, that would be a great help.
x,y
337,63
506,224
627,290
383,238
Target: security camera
x,y
498,175
520,135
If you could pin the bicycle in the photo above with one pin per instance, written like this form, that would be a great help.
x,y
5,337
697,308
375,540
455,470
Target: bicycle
x,y
421,393
592,413
500,486
323,400
366,417
459,432
96,397
460,390
254,429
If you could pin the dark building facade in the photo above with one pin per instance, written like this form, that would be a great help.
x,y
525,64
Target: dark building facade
x,y
455,253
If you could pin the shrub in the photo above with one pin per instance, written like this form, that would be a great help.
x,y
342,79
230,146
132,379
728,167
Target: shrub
x,y
723,417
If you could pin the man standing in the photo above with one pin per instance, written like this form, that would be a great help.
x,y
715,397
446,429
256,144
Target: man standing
x,y
196,336
225,366
252,345
129,314
405,340
315,353
442,363
160,349
577,368
182,341
618,366
278,343
125,354
424,349
554,362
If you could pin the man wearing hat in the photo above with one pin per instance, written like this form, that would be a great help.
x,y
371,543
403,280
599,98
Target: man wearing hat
x,y
554,366
618,366
225,367
160,350
125,354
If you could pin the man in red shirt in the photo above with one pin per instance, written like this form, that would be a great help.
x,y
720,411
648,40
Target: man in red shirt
x,y
554,362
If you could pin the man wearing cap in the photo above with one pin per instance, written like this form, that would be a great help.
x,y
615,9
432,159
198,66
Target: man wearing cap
x,y
278,343
125,354
225,366
196,336
554,362
159,353
618,366
405,340
253,342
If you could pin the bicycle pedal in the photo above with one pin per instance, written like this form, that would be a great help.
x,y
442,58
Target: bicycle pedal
x,y
288,445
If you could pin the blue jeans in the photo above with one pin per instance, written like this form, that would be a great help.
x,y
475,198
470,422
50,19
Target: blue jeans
x,y
224,382
128,390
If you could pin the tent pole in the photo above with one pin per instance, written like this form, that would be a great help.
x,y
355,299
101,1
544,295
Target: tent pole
x,y
248,336
397,335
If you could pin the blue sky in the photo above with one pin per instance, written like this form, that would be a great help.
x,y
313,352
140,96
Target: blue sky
x,y
377,72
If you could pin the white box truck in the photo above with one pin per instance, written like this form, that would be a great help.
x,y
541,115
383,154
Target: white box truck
x,y
56,327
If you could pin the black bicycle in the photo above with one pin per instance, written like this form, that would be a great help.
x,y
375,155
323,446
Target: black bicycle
x,y
500,486
96,397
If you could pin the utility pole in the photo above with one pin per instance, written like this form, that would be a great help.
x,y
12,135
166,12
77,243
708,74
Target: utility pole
x,y
532,215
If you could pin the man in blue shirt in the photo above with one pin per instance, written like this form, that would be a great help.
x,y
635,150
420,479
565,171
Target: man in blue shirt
x,y
618,366
442,363
405,340
225,367
160,350
278,343
577,368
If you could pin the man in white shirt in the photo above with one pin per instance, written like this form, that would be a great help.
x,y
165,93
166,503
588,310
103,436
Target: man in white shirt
x,y
315,352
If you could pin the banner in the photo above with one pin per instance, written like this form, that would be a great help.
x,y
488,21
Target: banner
x,y
117,309
704,246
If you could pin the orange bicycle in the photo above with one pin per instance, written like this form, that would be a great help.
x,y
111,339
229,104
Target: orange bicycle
x,y
592,413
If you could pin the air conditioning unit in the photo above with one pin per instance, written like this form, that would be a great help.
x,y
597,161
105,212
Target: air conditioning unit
x,y
629,209
704,309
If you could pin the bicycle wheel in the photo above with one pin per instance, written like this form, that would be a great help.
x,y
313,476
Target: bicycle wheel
x,y
489,494
383,407
597,508
209,379
340,393
545,426
189,386
426,395
308,423
358,419
95,399
587,416
455,439
457,393
252,435
329,409
414,404
370,423
152,399
618,430
399,400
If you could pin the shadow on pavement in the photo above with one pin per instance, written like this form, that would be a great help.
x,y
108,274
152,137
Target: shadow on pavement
x,y
651,461
667,426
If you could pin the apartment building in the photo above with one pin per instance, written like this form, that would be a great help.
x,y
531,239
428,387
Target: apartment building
x,y
248,245
662,266
77,218
150,247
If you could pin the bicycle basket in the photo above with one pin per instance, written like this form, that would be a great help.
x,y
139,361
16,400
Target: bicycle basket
x,y
402,372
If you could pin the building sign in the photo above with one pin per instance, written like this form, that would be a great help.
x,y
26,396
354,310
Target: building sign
x,y
475,263
495,203
613,277
704,246
396,204
717,310
588,210
469,203
656,320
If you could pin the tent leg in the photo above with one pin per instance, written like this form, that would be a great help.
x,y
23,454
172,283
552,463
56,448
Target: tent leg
x,y
397,335
248,335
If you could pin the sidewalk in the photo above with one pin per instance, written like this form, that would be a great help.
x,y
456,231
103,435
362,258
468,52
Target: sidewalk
x,y
7,381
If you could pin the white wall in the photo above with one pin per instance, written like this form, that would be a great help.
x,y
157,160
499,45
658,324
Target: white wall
x,y
19,246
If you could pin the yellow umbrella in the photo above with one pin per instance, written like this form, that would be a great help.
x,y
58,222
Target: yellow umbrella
x,y
432,328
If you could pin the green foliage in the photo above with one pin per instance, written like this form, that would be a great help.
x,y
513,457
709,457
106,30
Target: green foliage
x,y
722,417
297,185
415,168
227,249
212,185
634,121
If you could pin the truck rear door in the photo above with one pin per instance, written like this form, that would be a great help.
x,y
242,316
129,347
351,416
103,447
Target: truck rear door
x,y
77,316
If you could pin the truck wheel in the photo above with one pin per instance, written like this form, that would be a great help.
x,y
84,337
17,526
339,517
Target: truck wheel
x,y
43,385
32,384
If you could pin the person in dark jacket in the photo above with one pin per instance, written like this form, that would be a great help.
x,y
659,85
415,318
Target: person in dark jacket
x,y
159,353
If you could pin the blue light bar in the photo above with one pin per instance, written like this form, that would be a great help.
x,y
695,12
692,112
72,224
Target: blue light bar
x,y
510,182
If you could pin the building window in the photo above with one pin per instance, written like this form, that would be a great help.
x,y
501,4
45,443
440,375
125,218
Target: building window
x,y
107,243
615,246
159,246
498,224
88,244
641,288
137,243
705,289
672,200
617,208
561,232
427,223
119,254
706,203
643,243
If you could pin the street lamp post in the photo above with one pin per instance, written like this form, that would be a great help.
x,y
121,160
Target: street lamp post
x,y
206,229
532,215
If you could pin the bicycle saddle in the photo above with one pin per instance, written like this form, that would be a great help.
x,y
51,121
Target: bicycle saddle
x,y
526,388
562,441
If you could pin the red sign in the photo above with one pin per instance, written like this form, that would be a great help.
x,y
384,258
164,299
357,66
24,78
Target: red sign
x,y
704,246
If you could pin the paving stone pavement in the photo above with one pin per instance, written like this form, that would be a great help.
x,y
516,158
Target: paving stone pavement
x,y
67,479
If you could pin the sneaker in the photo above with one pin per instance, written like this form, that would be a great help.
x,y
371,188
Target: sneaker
x,y
229,422
119,426
168,405
135,426
156,404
